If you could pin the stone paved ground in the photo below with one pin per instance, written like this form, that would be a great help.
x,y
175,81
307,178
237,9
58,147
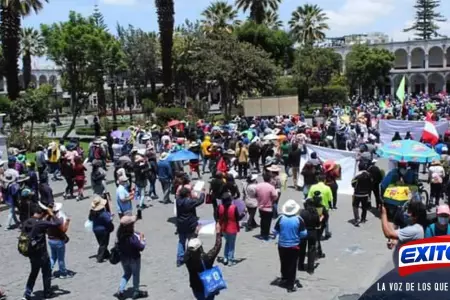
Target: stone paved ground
x,y
354,257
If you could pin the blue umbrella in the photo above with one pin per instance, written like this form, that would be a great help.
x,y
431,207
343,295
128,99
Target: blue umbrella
x,y
182,155
408,150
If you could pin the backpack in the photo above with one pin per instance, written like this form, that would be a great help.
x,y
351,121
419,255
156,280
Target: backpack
x,y
26,243
98,153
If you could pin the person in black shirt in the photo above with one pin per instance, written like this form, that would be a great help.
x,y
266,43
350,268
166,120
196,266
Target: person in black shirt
x,y
37,227
294,160
197,261
312,223
377,177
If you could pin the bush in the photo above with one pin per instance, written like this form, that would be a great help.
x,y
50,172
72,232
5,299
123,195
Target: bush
x,y
287,91
89,131
22,140
329,94
166,114
148,106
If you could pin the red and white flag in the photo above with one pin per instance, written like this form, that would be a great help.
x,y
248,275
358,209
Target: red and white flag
x,y
430,134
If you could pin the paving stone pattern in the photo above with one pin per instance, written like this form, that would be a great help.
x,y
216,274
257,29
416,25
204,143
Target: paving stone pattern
x,y
354,258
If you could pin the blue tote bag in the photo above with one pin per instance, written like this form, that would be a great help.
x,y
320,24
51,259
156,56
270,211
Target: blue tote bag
x,y
212,280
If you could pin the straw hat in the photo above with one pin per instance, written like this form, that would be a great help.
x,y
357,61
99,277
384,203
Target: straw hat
x,y
9,177
98,203
128,220
57,206
154,126
436,162
230,152
163,156
23,178
290,208
273,168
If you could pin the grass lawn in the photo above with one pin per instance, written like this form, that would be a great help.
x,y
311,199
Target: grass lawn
x,y
84,145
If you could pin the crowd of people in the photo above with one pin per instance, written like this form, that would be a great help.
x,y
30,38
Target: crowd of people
x,y
250,162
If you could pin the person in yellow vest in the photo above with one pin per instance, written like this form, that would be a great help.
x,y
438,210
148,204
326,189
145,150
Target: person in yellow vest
x,y
205,152
54,155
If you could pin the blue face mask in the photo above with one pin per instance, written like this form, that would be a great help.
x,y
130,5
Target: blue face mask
x,y
406,218
126,185
443,220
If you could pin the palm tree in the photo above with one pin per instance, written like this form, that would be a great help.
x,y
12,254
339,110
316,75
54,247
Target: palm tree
x,y
219,16
258,8
308,23
272,20
166,11
11,13
32,44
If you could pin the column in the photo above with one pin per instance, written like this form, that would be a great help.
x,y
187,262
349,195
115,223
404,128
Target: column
x,y
408,59
410,83
444,56
426,85
426,61
343,66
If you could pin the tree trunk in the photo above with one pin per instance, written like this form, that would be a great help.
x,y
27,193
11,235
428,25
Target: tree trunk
x,y
153,85
26,62
10,34
31,133
166,21
101,99
75,111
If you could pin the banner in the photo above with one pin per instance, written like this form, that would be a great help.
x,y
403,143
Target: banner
x,y
387,129
346,159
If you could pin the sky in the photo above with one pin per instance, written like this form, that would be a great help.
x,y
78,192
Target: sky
x,y
345,16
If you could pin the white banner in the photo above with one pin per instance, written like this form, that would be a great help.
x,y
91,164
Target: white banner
x,y
346,159
387,129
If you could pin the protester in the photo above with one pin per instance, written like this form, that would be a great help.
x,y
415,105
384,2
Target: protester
x,y
266,195
131,244
251,202
441,226
165,176
290,229
124,197
197,261
102,226
57,240
311,219
362,184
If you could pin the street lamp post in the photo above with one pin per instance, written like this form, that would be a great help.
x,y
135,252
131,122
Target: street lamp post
x,y
112,84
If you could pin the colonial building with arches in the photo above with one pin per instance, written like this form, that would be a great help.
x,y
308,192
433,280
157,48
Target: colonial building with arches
x,y
425,64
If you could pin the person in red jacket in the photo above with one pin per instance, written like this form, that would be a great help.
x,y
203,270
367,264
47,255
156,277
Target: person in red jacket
x,y
229,223
223,162
80,177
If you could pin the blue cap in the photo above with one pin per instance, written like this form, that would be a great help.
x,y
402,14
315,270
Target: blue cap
x,y
12,158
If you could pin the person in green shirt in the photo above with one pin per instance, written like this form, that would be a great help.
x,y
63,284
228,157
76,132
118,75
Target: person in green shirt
x,y
285,149
325,191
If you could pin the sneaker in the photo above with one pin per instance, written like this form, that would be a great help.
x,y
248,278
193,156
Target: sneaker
x,y
225,262
140,294
292,289
49,295
63,276
25,297
232,263
119,295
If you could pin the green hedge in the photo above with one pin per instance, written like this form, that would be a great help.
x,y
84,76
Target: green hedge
x,y
88,131
286,91
166,114
329,94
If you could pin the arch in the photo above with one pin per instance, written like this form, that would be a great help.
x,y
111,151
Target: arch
x,y
436,82
401,59
417,58
418,81
33,81
435,57
42,80
447,55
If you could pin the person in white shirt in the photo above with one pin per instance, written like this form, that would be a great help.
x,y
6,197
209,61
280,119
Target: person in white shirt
x,y
436,176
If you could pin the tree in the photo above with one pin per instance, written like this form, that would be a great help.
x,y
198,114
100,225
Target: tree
x,y
258,8
99,19
32,107
274,41
166,11
219,16
272,20
366,67
315,67
32,44
426,19
142,56
239,68
308,23
11,15
74,45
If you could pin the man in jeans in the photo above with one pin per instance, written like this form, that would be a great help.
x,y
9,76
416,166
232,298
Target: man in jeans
x,y
37,226
165,176
266,194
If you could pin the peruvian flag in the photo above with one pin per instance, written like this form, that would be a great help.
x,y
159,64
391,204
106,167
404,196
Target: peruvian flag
x,y
430,134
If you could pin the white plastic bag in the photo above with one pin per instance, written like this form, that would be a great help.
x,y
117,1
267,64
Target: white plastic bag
x,y
88,225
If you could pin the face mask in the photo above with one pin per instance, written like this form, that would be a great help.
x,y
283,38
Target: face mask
x,y
443,220
126,185
403,171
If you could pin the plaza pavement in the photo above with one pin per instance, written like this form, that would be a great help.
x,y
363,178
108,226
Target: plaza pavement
x,y
354,258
